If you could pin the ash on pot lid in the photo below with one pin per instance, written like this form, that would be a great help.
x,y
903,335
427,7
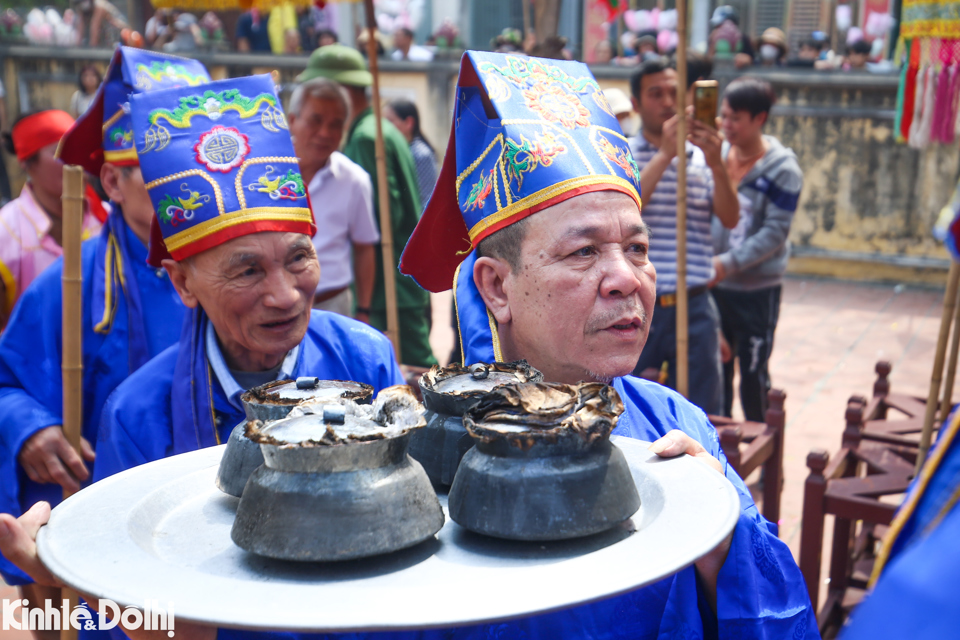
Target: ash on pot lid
x,y
478,378
395,412
298,391
590,409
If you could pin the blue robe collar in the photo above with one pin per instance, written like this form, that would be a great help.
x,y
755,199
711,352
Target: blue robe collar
x,y
114,279
195,387
228,383
479,339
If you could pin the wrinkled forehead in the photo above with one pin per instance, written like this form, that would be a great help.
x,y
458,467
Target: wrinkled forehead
x,y
253,247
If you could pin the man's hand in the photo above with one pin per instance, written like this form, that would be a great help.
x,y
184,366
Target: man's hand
x,y
668,138
47,457
709,140
676,443
719,272
18,542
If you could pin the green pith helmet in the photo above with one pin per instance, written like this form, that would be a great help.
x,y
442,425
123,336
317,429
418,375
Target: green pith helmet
x,y
339,63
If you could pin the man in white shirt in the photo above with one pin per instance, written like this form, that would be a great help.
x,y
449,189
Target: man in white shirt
x,y
406,49
341,196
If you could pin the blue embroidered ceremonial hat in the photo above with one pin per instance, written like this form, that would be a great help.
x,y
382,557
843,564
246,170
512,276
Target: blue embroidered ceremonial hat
x,y
218,163
527,133
105,133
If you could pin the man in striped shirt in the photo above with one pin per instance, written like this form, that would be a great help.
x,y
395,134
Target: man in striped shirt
x,y
709,193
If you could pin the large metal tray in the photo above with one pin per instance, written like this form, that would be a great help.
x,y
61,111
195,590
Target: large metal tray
x,y
161,531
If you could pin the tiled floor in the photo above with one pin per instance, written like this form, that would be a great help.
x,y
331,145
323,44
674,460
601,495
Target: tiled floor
x,y
829,338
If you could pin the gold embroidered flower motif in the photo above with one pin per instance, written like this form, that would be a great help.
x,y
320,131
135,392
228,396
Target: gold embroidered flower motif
x,y
553,104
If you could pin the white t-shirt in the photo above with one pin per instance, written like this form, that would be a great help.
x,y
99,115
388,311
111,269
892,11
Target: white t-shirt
x,y
415,54
342,198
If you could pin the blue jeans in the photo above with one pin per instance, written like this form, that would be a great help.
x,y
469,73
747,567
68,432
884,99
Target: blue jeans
x,y
705,371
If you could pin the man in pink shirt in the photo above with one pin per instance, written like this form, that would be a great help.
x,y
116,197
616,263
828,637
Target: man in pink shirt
x,y
31,225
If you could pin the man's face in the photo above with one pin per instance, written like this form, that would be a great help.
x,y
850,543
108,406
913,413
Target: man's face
x,y
124,185
317,130
657,101
257,291
740,127
580,306
401,41
808,53
46,172
858,60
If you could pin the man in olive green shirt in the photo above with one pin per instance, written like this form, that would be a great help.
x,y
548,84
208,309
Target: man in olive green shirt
x,y
347,67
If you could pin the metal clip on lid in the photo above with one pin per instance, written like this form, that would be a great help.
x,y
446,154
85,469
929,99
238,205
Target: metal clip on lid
x,y
334,413
479,371
307,382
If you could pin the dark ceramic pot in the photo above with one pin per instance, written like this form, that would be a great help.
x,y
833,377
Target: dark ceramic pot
x,y
274,401
539,480
353,498
447,393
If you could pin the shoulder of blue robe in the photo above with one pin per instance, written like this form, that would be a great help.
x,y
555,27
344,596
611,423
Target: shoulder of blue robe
x,y
760,590
135,425
337,347
915,596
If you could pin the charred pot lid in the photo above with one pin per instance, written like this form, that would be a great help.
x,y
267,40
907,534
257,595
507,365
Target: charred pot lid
x,y
316,437
545,418
274,400
453,389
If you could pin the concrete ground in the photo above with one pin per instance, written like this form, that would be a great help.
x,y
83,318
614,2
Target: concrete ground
x,y
830,335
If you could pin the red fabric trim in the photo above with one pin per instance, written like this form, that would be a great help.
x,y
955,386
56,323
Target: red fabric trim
x,y
242,229
95,204
566,195
38,130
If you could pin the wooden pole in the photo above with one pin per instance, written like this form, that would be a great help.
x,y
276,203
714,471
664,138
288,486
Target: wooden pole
x,y
72,363
949,302
945,404
527,27
683,337
383,190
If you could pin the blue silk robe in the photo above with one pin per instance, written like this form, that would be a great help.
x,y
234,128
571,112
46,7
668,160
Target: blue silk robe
x,y
916,594
131,312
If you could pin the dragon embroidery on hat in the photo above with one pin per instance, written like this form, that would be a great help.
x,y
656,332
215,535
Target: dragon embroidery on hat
x,y
212,105
619,156
553,104
120,137
525,156
478,194
165,71
222,149
175,210
283,187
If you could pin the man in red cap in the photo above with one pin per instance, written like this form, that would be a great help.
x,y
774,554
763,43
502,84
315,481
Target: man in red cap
x,y
30,226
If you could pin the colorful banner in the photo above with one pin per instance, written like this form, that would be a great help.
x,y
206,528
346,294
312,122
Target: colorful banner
x,y
926,18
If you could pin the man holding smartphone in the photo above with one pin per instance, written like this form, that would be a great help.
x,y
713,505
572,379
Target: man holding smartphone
x,y
710,194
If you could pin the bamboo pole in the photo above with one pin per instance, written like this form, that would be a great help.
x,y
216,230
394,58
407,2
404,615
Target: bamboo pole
x,y
949,302
383,189
945,405
683,337
72,363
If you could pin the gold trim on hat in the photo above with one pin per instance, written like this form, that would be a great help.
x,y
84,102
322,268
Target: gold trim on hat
x,y
238,184
551,192
208,227
200,173
118,156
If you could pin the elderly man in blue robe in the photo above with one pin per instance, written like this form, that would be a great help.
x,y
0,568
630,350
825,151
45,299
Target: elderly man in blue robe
x,y
130,310
539,188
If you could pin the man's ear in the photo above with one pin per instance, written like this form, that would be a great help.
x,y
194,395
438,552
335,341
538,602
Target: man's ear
x,y
179,273
490,275
110,181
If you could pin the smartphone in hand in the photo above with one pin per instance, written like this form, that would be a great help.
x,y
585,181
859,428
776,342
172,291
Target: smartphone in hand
x,y
705,97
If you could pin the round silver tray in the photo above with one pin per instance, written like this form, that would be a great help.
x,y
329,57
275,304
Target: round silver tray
x,y
161,532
